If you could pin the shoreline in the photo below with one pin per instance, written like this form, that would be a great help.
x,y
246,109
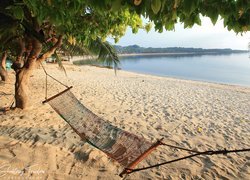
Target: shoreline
x,y
187,79
171,77
90,57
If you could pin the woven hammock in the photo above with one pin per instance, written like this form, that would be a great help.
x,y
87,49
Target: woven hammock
x,y
122,146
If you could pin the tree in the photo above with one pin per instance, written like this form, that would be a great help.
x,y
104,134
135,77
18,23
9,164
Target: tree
x,y
38,30
33,30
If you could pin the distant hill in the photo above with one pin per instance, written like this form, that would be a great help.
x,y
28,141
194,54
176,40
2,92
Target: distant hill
x,y
135,49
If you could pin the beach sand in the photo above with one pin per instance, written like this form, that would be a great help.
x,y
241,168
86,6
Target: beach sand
x,y
37,143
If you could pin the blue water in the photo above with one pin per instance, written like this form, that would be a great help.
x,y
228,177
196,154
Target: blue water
x,y
229,69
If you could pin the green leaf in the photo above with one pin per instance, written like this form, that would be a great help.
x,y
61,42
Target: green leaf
x,y
148,27
174,17
32,5
159,27
134,30
116,5
116,40
169,26
17,12
163,2
189,6
197,20
214,17
156,6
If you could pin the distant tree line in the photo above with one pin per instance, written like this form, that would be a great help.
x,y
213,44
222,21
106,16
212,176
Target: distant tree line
x,y
135,49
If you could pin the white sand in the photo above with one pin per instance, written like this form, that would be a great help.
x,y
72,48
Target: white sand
x,y
198,115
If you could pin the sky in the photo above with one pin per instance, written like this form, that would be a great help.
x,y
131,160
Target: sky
x,y
205,36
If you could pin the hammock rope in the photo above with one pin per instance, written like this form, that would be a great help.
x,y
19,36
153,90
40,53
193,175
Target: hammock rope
x,y
46,81
208,153
181,148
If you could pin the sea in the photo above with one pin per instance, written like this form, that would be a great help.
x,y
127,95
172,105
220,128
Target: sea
x,y
233,69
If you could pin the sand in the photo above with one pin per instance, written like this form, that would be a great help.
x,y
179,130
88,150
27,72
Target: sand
x,y
37,143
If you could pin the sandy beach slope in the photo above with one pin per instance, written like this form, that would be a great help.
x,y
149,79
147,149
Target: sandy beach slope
x,y
38,144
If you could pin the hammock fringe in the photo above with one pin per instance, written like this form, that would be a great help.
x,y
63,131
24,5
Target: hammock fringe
x,y
131,166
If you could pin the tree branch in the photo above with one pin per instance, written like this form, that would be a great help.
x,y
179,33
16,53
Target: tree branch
x,y
28,48
34,54
51,50
3,60
3,72
21,49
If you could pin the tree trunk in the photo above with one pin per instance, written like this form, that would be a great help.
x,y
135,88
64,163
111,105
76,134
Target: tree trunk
x,y
3,71
22,88
23,72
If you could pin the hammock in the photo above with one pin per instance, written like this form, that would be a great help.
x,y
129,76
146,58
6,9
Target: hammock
x,y
122,146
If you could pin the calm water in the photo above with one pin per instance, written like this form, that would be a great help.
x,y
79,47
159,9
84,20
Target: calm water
x,y
228,69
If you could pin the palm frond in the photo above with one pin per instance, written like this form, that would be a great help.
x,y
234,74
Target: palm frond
x,y
59,61
106,53
73,50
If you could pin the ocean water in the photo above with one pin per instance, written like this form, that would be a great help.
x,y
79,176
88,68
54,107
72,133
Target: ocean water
x,y
227,69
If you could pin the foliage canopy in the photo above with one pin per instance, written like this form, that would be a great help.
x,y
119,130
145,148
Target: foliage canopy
x,y
88,23
85,20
